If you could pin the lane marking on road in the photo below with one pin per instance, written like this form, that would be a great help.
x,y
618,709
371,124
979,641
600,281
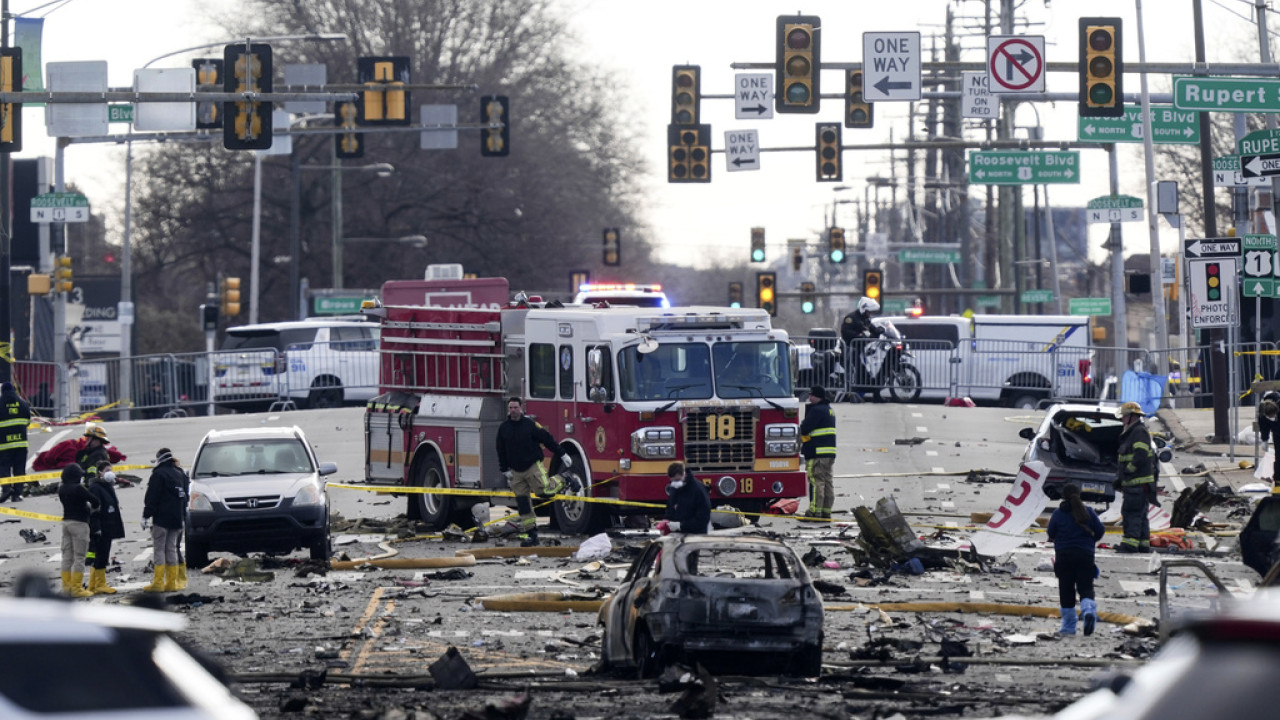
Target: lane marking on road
x,y
931,453
936,469
917,414
922,429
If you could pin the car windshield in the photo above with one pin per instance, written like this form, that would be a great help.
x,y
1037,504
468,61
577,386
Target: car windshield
x,y
752,369
672,371
248,457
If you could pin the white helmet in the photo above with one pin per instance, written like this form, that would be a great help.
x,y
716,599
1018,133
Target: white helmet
x,y
866,305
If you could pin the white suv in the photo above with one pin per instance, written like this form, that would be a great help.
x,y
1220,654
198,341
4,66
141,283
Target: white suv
x,y
314,363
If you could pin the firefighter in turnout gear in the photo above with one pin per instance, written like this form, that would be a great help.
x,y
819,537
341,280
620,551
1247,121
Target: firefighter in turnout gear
x,y
818,438
1136,479
520,444
15,416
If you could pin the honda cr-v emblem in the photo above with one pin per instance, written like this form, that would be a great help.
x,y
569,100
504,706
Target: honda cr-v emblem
x,y
251,503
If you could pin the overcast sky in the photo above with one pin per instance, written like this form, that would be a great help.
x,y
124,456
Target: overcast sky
x,y
641,41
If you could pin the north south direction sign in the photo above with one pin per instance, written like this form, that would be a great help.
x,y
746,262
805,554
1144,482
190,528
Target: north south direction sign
x,y
1168,125
59,207
1018,167
1114,208
1226,172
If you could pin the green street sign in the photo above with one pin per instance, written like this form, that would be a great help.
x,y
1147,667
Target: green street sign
x,y
1037,296
893,306
60,200
120,113
987,301
1259,278
1114,208
337,305
1259,287
1022,167
1168,125
928,256
1089,306
1258,142
1219,94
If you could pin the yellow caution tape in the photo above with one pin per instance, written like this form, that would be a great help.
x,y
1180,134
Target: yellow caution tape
x,y
57,474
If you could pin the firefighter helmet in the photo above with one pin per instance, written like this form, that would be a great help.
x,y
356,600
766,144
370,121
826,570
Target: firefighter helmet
x,y
96,431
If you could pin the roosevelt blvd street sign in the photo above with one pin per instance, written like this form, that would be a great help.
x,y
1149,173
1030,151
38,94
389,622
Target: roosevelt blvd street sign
x,y
1089,306
1219,247
1114,208
59,207
1219,94
1168,125
1021,167
1226,172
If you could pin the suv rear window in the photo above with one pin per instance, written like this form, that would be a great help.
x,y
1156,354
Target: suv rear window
x,y
930,331
297,339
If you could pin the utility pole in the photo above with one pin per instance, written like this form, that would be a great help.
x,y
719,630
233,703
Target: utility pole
x,y
6,222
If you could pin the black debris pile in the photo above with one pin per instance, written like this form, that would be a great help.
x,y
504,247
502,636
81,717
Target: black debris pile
x,y
32,536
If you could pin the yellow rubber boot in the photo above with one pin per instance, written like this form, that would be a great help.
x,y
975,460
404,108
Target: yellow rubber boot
x,y
157,580
182,576
77,586
170,578
98,583
66,583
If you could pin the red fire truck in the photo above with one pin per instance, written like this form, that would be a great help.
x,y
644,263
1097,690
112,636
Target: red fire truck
x,y
627,390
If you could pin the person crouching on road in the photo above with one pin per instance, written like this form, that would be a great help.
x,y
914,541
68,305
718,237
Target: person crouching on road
x,y
105,526
77,505
520,444
1075,530
818,438
1137,479
688,503
165,505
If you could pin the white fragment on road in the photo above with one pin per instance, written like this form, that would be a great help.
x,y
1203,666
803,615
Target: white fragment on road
x,y
1138,586
977,596
944,486
917,414
363,539
931,453
1020,640
922,429
948,505
936,469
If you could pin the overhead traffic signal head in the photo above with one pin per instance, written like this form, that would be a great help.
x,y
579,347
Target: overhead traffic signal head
x,y
349,144
686,94
766,286
797,259
384,101
11,113
689,153
230,295
612,246
208,74
1101,68
63,277
835,244
757,244
829,148
871,284
798,63
495,113
246,125
858,113
807,303
735,294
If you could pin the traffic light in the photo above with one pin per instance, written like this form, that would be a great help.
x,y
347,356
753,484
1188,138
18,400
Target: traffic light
x,y
209,317
1213,281
807,304
612,246
858,113
686,94
828,139
349,144
835,244
230,296
63,275
797,64
871,284
208,73
689,153
757,244
384,101
735,294
10,113
797,259
1101,68
495,114
766,283
247,125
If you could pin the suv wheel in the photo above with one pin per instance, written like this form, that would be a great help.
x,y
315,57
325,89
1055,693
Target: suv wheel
x,y
325,396
321,548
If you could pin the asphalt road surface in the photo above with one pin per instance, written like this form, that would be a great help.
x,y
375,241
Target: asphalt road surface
x,y
358,642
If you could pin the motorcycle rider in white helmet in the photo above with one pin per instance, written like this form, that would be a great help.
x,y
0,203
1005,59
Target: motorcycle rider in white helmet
x,y
855,330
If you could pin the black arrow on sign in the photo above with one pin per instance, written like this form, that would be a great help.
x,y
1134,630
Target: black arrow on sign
x,y
884,86
740,162
759,109
1022,57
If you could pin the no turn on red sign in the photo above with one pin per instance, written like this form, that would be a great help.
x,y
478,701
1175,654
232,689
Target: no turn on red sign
x,y
1015,63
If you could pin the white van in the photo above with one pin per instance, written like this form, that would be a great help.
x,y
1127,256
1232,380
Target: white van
x,y
1010,360
316,363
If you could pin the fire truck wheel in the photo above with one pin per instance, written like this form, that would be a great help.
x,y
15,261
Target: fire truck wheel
x,y
575,517
433,510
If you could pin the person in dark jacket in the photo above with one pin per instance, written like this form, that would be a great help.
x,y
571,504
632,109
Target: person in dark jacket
x,y
15,416
105,526
1269,429
856,330
520,444
94,452
1137,479
818,445
77,506
688,503
1075,529
165,507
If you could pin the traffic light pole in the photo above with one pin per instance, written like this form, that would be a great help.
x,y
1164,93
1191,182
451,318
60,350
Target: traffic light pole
x,y
6,362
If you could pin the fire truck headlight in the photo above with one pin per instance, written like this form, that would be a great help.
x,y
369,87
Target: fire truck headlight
x,y
780,449
777,487
655,443
727,486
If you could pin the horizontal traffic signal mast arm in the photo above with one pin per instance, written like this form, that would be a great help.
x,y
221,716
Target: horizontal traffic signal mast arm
x,y
1010,144
171,97
945,67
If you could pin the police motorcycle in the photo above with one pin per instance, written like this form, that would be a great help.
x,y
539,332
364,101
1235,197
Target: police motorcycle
x,y
883,363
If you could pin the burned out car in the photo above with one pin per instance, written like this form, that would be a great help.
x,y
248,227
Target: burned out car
x,y
1079,443
739,602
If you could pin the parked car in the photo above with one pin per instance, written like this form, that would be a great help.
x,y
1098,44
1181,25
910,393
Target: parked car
x,y
721,600
1079,443
138,669
257,490
317,363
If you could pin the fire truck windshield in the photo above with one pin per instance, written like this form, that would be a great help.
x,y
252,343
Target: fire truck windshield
x,y
752,369
684,371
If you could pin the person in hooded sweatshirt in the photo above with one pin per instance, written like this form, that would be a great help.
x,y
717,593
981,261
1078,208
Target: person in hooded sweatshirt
x,y
77,505
105,526
1075,529
688,503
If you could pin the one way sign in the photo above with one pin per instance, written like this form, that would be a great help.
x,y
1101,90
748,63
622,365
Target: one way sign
x,y
741,150
1260,165
891,66
1211,247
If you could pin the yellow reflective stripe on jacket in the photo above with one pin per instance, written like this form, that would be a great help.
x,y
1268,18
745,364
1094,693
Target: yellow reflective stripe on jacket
x,y
822,431
17,421
824,450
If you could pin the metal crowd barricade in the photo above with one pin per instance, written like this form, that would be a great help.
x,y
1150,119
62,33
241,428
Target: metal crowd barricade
x,y
1021,373
843,368
329,374
38,382
170,385
247,379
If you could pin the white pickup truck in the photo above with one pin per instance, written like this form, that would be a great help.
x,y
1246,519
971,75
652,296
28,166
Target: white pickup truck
x,y
1010,360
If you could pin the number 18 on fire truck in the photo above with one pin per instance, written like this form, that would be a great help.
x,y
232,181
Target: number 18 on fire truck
x,y
627,391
